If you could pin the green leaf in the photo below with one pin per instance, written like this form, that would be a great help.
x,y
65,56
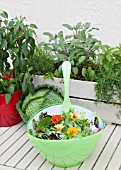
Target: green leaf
x,y
30,32
16,27
21,64
61,57
20,76
68,26
27,76
11,88
89,69
4,14
24,86
84,71
22,26
91,74
78,25
5,21
48,34
72,62
24,48
68,37
81,59
60,34
70,135
87,25
75,70
30,69
1,66
75,42
31,88
33,26
106,66
109,58
3,54
11,23
83,35
4,44
44,122
16,62
8,98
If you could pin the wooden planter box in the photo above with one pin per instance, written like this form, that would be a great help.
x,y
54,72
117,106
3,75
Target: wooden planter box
x,y
83,93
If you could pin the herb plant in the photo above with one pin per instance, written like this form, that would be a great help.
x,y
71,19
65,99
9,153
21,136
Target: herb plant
x,y
40,62
108,76
17,43
66,126
79,47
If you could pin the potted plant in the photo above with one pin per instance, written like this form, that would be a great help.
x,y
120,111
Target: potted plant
x,y
90,61
17,43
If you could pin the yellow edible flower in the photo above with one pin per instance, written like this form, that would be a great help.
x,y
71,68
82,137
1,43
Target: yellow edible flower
x,y
59,127
74,116
72,130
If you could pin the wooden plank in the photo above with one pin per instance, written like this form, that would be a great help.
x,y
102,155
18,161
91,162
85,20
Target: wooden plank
x,y
109,150
36,163
26,161
115,162
73,168
57,168
106,111
6,168
3,130
12,140
88,164
20,154
10,132
13,149
46,166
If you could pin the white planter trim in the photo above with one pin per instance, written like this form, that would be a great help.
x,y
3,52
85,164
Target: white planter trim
x,y
83,93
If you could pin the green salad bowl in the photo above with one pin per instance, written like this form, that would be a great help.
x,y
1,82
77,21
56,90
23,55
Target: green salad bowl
x,y
65,153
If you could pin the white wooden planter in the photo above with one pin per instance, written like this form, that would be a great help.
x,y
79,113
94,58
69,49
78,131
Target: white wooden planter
x,y
83,93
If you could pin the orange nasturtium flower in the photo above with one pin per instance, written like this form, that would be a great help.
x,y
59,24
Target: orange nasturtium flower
x,y
74,116
55,119
72,130
59,127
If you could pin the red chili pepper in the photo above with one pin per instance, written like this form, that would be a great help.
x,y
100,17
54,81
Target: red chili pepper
x,y
19,29
12,75
6,77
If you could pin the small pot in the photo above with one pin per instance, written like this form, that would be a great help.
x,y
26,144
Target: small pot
x,y
65,153
9,116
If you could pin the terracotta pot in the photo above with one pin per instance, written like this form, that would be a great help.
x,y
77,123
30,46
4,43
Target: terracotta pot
x,y
9,116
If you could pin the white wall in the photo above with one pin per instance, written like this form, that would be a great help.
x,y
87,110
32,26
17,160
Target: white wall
x,y
49,15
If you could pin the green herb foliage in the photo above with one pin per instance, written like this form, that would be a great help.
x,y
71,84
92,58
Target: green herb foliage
x,y
40,62
79,47
108,76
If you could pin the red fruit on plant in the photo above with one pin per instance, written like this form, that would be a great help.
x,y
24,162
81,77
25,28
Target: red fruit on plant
x,y
6,77
0,20
19,29
12,75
